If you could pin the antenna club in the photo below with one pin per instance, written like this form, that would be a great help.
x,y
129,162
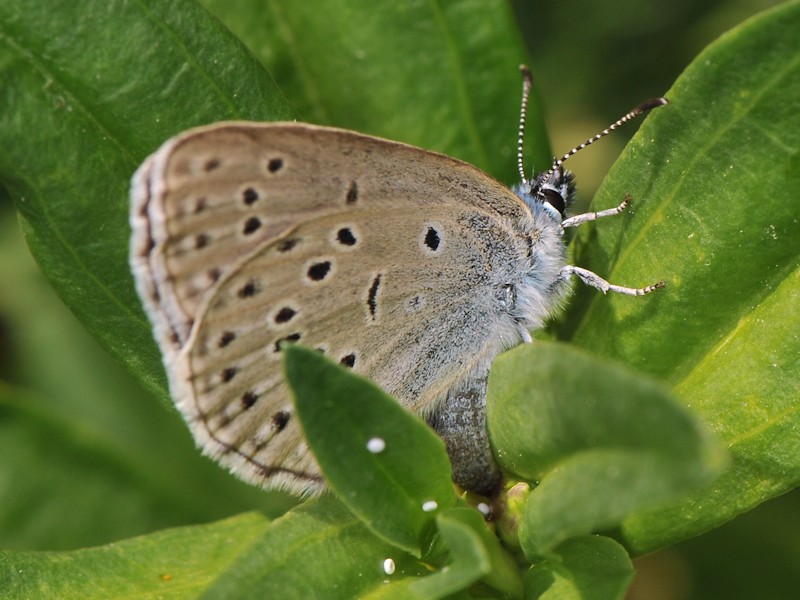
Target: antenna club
x,y
651,103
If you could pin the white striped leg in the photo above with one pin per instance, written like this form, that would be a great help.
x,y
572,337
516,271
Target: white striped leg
x,y
594,280
593,216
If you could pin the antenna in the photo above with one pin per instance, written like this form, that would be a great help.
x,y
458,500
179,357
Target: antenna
x,y
527,83
641,109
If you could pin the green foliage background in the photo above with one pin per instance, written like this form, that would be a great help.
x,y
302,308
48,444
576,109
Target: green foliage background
x,y
89,457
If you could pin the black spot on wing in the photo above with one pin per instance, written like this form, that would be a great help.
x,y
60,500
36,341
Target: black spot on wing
x,y
352,193
372,296
249,398
281,419
345,237
285,314
252,225
319,271
250,196
226,338
432,239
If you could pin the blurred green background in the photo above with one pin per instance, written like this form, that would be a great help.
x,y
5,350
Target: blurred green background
x,y
592,62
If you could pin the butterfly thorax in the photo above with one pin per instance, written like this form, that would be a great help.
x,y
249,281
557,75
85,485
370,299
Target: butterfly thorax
x,y
542,288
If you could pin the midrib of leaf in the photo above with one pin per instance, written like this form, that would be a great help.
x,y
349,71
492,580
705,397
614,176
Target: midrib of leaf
x,y
161,24
641,235
754,432
79,103
29,57
752,319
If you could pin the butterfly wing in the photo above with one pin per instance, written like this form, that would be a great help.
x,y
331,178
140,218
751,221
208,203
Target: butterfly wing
x,y
394,261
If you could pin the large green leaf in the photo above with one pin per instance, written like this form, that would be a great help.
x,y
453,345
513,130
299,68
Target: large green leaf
x,y
316,550
440,75
316,547
175,563
715,177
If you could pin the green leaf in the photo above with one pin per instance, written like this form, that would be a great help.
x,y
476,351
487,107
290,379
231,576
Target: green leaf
x,y
396,490
175,563
316,548
440,75
602,441
319,546
474,555
70,483
469,557
714,178
503,572
583,568
90,89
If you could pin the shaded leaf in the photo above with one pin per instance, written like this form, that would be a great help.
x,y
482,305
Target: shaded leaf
x,y
469,558
69,484
583,568
754,556
503,571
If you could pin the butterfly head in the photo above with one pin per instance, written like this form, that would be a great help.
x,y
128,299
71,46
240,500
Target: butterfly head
x,y
551,192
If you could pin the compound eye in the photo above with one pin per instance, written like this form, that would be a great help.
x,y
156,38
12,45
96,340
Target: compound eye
x,y
554,199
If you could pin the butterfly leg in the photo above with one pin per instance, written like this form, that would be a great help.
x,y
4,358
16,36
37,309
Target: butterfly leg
x,y
594,280
460,420
593,216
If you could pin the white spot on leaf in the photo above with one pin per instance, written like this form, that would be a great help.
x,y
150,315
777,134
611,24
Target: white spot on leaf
x,y
376,445
388,566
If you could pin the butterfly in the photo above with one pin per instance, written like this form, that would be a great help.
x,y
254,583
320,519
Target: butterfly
x,y
409,267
